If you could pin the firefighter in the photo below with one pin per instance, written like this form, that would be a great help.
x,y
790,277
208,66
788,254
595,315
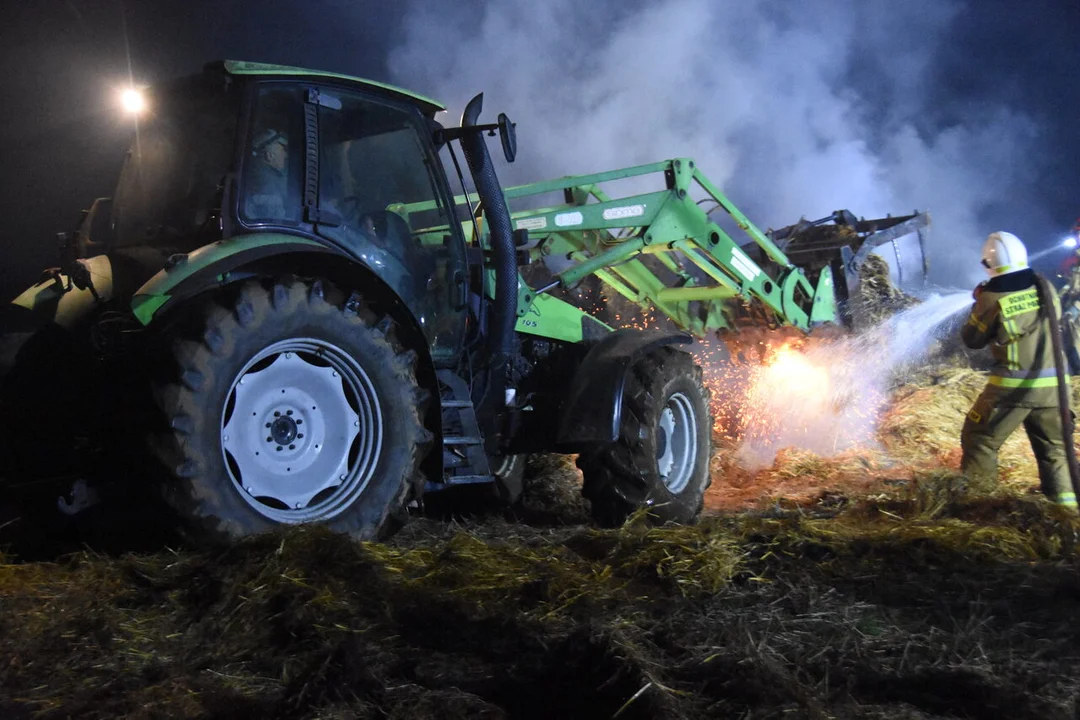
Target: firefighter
x,y
1022,388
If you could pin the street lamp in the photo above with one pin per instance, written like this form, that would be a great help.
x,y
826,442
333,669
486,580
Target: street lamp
x,y
1069,242
132,101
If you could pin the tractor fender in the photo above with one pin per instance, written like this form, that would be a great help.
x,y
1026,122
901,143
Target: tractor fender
x,y
229,261
185,276
52,307
592,410
50,300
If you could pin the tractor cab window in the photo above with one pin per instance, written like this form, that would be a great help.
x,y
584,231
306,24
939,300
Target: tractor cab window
x,y
273,163
379,196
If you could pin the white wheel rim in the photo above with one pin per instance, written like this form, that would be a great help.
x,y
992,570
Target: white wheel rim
x,y
677,444
301,431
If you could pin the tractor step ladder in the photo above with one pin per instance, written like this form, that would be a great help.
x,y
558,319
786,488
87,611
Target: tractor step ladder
x,y
464,459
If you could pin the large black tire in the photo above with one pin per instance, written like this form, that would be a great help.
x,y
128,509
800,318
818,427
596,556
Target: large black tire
x,y
240,459
661,460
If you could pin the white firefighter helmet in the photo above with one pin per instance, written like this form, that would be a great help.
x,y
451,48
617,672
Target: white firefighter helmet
x,y
1003,253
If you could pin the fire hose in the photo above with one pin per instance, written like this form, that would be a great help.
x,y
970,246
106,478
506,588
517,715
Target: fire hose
x,y
1047,295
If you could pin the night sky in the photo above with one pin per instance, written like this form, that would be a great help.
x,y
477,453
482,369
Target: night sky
x,y
964,108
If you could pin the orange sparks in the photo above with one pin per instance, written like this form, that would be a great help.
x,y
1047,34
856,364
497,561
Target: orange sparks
x,y
771,391
802,395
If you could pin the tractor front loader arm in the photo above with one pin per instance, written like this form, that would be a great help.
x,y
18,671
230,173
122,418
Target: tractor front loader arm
x,y
662,251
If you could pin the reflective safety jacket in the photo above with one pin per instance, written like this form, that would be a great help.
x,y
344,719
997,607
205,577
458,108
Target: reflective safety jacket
x,y
1007,316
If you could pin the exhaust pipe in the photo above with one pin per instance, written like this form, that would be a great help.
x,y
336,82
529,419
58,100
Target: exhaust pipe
x,y
502,240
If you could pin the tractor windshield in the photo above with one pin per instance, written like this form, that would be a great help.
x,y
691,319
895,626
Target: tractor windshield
x,y
169,193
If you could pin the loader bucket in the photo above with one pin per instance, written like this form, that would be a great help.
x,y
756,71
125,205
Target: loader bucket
x,y
843,243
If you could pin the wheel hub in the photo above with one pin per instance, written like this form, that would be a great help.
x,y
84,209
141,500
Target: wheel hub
x,y
283,429
665,456
663,449
676,442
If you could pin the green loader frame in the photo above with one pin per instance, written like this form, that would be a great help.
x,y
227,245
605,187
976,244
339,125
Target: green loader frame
x,y
664,253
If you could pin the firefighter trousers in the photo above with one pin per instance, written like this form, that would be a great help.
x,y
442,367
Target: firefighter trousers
x,y
988,426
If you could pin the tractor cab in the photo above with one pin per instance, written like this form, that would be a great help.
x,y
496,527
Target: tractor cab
x,y
246,149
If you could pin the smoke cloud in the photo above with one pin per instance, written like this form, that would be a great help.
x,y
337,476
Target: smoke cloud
x,y
794,109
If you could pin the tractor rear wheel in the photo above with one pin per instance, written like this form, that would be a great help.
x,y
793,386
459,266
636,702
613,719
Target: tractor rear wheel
x,y
661,459
292,407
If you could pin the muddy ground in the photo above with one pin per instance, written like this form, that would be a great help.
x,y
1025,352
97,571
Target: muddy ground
x,y
876,584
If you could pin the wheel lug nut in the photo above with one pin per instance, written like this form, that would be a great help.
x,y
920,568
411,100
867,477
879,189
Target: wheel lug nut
x,y
269,439
277,413
267,424
278,448
292,447
300,435
299,422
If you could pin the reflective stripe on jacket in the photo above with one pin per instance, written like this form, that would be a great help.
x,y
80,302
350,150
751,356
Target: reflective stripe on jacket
x,y
1007,317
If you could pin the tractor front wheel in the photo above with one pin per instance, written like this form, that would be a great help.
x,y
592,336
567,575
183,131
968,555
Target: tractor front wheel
x,y
661,459
292,407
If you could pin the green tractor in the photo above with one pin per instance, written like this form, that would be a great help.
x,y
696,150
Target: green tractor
x,y
286,303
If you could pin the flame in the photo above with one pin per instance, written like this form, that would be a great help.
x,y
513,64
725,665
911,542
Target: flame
x,y
808,396
791,378
789,386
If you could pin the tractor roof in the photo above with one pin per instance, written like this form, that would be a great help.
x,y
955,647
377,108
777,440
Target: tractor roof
x,y
242,67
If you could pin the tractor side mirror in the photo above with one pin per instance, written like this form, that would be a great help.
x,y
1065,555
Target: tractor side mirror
x,y
507,132
508,136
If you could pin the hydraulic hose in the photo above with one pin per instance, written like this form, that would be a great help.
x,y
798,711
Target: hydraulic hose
x,y
1046,301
